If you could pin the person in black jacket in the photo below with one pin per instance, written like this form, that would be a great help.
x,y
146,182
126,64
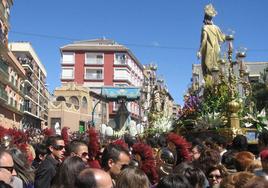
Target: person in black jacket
x,y
48,168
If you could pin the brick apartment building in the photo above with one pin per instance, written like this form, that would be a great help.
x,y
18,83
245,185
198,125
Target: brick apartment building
x,y
12,75
102,62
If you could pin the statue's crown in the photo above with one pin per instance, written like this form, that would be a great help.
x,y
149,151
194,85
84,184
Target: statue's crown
x,y
210,10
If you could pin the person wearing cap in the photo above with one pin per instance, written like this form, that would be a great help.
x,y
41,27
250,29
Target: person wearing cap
x,y
264,162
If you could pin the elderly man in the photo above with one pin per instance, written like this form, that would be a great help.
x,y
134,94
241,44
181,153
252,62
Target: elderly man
x,y
91,177
6,167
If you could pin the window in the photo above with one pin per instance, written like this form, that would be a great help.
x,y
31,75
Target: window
x,y
120,59
67,58
74,100
84,102
121,85
94,74
94,58
67,73
60,98
121,74
115,106
254,79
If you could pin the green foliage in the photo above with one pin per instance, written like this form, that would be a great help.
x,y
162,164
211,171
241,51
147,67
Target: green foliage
x,y
215,101
260,95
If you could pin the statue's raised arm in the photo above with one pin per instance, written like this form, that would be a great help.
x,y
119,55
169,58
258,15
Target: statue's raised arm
x,y
211,39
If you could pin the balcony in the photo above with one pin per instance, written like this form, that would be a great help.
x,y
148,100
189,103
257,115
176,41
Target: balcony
x,y
26,63
3,94
3,67
93,74
21,108
27,106
28,92
4,14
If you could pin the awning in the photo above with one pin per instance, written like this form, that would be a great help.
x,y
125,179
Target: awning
x,y
115,93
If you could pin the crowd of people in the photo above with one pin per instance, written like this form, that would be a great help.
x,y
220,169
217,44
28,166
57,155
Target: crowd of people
x,y
166,160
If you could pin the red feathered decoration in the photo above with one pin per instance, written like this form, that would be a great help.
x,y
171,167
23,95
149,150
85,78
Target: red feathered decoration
x,y
182,146
148,164
94,164
17,136
29,152
47,132
65,135
93,145
121,142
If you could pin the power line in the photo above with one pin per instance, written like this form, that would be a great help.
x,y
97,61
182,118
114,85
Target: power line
x,y
43,35
127,44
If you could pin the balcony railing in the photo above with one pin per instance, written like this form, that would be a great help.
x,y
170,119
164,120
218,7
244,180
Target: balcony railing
x,y
3,12
94,76
3,66
21,107
3,94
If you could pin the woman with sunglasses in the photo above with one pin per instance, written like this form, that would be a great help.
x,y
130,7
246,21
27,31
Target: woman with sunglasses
x,y
215,174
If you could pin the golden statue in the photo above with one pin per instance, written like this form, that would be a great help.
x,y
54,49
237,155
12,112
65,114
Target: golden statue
x,y
211,38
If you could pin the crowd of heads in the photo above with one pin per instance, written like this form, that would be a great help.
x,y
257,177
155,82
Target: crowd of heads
x,y
166,160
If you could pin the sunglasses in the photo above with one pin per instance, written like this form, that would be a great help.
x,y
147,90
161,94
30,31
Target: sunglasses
x,y
124,166
216,176
58,147
9,168
85,154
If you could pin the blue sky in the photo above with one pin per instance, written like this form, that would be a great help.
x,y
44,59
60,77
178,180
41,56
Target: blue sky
x,y
165,32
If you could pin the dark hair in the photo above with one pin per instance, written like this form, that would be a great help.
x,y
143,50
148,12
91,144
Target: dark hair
x,y
68,171
223,171
86,179
208,158
174,181
194,175
207,19
24,171
74,145
52,140
112,151
152,141
132,177
40,149
4,185
197,143
240,143
130,140
263,138
162,141
220,140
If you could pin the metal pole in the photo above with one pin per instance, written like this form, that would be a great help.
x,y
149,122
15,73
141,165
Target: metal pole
x,y
93,111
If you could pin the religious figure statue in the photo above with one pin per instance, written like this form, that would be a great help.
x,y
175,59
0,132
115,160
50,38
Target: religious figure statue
x,y
211,38
157,100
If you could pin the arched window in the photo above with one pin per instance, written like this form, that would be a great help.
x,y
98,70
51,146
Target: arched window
x,y
74,100
60,98
84,102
